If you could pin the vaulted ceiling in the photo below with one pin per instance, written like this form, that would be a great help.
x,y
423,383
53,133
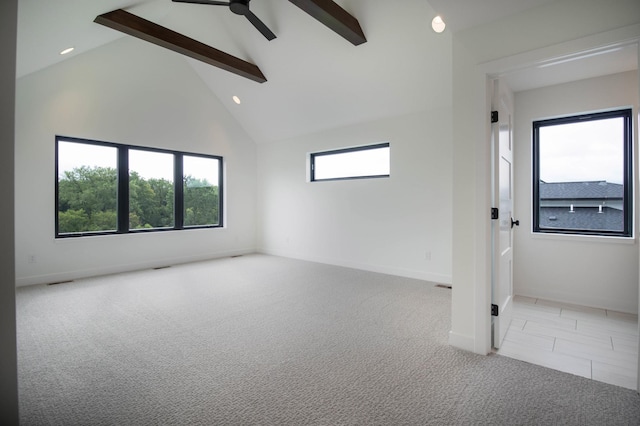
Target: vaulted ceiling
x,y
316,80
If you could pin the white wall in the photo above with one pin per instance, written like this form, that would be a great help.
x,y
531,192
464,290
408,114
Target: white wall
x,y
592,271
383,225
8,356
134,93
470,320
500,46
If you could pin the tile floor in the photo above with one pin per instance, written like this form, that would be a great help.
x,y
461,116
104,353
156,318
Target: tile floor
x,y
595,343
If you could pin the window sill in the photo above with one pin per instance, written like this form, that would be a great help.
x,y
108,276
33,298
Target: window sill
x,y
583,238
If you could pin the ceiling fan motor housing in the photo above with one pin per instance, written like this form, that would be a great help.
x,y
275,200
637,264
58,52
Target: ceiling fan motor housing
x,y
239,7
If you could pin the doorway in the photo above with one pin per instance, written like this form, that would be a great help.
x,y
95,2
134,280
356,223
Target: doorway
x,y
549,75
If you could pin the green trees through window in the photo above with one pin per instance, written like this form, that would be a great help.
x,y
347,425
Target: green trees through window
x,y
151,192
92,198
87,200
200,190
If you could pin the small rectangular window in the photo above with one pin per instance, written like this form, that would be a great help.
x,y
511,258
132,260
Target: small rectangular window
x,y
582,168
371,161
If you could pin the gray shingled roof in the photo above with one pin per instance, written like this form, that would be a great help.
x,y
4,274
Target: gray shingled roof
x,y
581,218
580,190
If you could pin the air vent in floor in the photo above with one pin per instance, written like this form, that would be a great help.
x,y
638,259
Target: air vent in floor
x,y
443,286
61,282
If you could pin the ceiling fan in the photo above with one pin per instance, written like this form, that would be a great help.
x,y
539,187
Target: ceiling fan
x,y
239,7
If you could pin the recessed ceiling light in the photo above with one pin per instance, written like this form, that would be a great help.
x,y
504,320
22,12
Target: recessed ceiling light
x,y
438,24
67,50
236,100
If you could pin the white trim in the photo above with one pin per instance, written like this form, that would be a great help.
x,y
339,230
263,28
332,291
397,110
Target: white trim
x,y
598,239
606,40
570,298
389,270
463,342
124,267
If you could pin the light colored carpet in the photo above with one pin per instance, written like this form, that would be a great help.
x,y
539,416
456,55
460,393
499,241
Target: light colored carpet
x,y
261,340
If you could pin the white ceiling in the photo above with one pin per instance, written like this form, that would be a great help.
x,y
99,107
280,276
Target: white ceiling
x,y
316,79
464,14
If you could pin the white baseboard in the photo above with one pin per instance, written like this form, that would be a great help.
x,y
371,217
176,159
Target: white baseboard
x,y
461,341
125,267
627,306
382,269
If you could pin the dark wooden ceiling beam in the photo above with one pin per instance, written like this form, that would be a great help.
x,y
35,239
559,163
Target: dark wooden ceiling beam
x,y
333,16
135,26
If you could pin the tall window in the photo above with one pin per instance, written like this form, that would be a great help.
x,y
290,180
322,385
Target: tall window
x,y
201,190
371,161
151,194
582,174
87,187
106,188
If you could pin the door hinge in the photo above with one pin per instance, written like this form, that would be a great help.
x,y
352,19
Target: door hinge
x,y
494,310
494,116
495,213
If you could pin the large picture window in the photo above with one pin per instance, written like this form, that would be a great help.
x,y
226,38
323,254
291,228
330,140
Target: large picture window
x,y
106,188
372,161
582,169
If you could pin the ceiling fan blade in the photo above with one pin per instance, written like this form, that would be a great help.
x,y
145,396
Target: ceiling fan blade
x,y
335,17
260,26
209,2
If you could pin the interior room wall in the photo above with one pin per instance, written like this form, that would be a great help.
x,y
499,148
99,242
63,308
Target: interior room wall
x,y
592,271
8,356
399,225
134,93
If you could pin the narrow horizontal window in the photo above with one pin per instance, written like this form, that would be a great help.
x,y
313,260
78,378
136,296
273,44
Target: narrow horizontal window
x,y
582,168
371,161
106,188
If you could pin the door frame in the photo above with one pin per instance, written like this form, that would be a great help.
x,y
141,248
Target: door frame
x,y
512,64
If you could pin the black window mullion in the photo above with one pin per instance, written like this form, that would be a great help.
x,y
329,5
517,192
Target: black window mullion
x,y
220,193
536,177
57,188
627,181
178,191
123,190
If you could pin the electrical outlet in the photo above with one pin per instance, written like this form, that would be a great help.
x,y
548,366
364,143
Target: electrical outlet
x,y
427,255
32,258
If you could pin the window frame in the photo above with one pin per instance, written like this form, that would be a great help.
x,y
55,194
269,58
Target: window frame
x,y
122,196
314,155
627,200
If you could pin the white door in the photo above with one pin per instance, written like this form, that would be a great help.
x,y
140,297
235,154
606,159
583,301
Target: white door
x,y
502,198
